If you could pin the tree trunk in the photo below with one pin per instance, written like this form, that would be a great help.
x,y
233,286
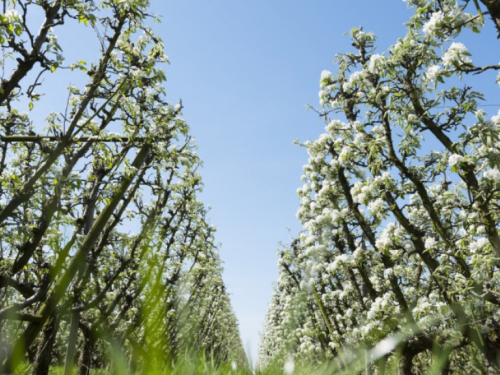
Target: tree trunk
x,y
405,361
405,365
60,288
85,362
446,369
44,353
492,353
494,9
69,362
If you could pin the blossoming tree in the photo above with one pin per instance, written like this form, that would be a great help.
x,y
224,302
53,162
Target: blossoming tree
x,y
75,281
400,251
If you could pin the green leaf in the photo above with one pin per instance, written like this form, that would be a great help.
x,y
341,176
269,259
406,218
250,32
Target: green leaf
x,y
18,30
31,106
84,19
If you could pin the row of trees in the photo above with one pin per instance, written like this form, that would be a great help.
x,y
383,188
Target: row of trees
x,y
398,263
106,255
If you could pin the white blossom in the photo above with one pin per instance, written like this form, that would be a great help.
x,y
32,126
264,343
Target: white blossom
x,y
432,74
478,245
12,15
455,54
430,27
325,77
455,159
376,61
480,114
430,242
492,174
376,205
355,77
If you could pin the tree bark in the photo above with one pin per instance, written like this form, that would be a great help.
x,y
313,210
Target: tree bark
x,y
26,64
85,362
405,361
494,9
44,353
69,362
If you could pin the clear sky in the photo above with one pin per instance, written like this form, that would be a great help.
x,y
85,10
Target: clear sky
x,y
245,71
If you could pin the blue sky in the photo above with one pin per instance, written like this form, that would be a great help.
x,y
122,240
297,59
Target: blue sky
x,y
245,71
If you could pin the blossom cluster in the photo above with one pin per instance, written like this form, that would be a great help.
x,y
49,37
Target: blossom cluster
x,y
397,239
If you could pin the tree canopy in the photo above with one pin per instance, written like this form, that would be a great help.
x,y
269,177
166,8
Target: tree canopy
x,y
397,266
106,253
